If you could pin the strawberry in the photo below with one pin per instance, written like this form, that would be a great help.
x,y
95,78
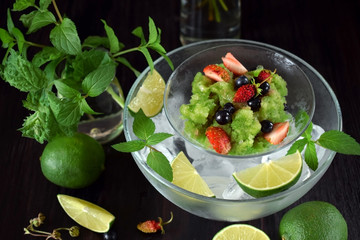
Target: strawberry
x,y
233,64
244,93
219,139
152,226
278,133
216,73
264,75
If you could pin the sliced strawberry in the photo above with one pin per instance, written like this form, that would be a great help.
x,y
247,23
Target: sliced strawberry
x,y
219,139
278,133
244,93
233,64
216,73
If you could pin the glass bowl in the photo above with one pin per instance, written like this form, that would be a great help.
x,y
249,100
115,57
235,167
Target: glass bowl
x,y
235,206
300,91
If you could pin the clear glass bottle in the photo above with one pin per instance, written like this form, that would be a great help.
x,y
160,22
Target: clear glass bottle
x,y
209,19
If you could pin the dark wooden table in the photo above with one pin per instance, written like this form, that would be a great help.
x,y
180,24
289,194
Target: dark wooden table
x,y
326,34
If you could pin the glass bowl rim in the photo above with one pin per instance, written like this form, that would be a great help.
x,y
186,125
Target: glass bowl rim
x,y
270,198
212,152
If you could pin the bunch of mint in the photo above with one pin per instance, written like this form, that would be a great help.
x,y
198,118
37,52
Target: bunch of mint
x,y
59,78
144,129
334,140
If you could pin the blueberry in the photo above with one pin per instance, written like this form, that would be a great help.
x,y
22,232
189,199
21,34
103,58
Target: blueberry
x,y
222,117
286,107
266,126
229,107
110,235
255,104
265,87
242,80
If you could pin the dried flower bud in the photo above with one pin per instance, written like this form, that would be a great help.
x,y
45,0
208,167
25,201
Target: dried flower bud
x,y
41,218
56,235
74,231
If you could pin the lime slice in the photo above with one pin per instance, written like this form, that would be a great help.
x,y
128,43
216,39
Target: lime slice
x,y
240,232
150,95
186,176
86,213
270,177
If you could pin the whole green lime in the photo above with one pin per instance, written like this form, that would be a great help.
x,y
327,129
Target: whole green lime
x,y
314,220
72,161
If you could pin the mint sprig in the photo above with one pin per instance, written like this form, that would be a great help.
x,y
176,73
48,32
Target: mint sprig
x,y
60,78
334,140
144,129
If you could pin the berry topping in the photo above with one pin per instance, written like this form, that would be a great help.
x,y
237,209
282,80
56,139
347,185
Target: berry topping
x,y
216,73
233,64
222,117
229,107
264,75
265,87
240,81
266,126
255,104
244,93
278,133
219,139
152,226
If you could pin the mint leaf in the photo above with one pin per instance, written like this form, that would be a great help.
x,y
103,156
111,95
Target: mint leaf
x,y
301,119
311,156
20,5
131,146
153,34
143,126
308,131
87,61
147,55
5,38
20,39
26,19
159,163
66,112
47,54
41,19
140,34
157,138
84,106
9,22
65,37
34,126
98,80
44,4
20,73
96,41
42,126
66,91
113,40
298,145
339,142
125,62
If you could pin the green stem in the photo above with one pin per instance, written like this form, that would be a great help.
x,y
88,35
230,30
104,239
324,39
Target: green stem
x,y
57,11
118,99
126,51
35,44
152,148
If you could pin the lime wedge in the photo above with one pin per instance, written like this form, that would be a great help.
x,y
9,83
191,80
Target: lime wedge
x,y
186,176
86,213
270,177
240,232
150,95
